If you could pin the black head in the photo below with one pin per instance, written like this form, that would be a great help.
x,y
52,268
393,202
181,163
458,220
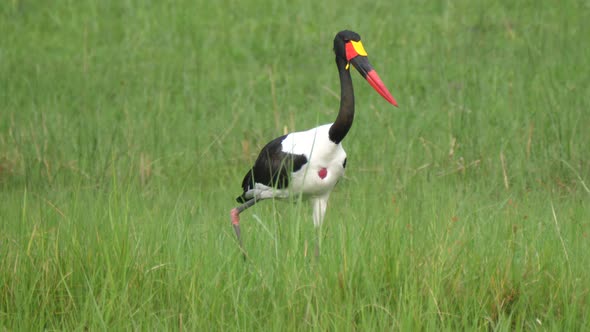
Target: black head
x,y
349,50
340,41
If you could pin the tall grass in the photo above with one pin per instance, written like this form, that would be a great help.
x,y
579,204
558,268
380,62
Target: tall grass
x,y
125,129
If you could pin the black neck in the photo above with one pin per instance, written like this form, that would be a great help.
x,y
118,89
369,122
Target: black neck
x,y
343,122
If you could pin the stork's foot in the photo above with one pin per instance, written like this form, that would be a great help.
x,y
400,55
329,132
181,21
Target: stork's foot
x,y
235,216
235,220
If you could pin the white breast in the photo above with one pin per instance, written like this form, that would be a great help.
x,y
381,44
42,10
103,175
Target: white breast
x,y
321,153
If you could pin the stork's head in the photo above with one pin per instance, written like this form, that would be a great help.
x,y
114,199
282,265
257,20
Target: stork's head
x,y
349,50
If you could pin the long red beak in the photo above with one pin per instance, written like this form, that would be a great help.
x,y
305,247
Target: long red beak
x,y
378,85
361,63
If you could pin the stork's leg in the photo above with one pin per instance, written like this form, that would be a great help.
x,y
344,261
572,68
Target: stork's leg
x,y
235,220
319,211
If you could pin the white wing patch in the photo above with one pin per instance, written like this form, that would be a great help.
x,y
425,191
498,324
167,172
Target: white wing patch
x,y
304,142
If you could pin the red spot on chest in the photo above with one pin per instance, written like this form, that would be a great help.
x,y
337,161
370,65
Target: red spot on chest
x,y
322,173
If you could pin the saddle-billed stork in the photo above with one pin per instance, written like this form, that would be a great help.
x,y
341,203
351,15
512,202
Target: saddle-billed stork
x,y
310,163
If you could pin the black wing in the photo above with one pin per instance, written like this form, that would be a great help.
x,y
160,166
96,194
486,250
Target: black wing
x,y
272,167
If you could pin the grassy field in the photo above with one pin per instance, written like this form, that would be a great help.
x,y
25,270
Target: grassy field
x,y
126,128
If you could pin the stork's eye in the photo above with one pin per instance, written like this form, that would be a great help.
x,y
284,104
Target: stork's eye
x,y
353,49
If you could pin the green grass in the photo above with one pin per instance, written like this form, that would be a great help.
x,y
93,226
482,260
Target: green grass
x,y
126,128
